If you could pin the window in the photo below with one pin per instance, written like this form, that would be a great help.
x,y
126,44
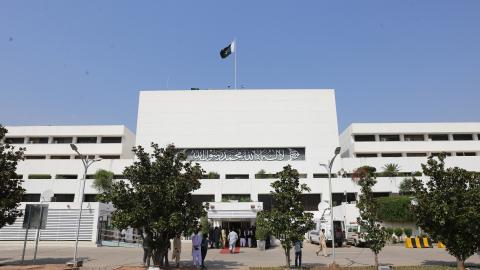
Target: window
x,y
462,137
416,154
90,198
63,198
35,157
391,154
320,175
466,154
302,175
437,154
89,157
338,198
236,197
203,198
413,137
389,138
66,176
39,176
36,140
87,140
17,140
118,176
311,201
110,157
381,194
365,155
111,139
267,201
438,137
236,176
364,138
18,176
59,157
31,197
62,140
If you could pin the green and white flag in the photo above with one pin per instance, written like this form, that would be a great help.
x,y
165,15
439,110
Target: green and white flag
x,y
225,52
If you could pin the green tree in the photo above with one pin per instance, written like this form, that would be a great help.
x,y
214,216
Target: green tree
x,y
103,180
11,190
158,196
391,170
204,225
448,209
287,220
406,186
375,236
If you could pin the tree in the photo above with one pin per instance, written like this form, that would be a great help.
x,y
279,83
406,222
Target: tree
x,y
375,236
158,196
391,170
448,209
103,180
287,220
11,190
406,186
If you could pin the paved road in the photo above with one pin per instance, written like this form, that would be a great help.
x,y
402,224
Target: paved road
x,y
109,257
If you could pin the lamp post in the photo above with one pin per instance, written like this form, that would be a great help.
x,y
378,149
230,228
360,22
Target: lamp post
x,y
328,167
86,163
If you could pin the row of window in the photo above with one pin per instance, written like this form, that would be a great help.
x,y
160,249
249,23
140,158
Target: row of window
x,y
374,155
60,140
70,157
415,137
62,197
63,176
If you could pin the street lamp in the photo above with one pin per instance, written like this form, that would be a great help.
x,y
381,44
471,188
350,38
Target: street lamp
x,y
86,163
328,167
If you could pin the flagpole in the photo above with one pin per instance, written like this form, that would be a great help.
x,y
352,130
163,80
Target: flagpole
x,y
235,61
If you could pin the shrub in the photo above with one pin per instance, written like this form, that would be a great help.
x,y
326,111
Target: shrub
x,y
395,209
389,231
407,231
398,232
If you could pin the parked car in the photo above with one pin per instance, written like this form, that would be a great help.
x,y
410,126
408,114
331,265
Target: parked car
x,y
355,235
313,237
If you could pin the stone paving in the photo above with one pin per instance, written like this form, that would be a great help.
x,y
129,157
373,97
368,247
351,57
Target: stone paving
x,y
111,257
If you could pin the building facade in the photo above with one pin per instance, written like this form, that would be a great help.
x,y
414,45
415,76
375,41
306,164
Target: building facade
x,y
241,138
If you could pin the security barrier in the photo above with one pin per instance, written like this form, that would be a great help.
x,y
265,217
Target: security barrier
x,y
416,242
440,245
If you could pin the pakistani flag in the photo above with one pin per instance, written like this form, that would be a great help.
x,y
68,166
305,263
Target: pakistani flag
x,y
225,52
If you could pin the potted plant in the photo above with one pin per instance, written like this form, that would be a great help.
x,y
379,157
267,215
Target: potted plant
x,y
261,230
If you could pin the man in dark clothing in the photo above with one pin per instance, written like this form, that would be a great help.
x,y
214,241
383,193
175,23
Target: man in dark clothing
x,y
211,236
254,238
298,253
204,248
216,237
147,248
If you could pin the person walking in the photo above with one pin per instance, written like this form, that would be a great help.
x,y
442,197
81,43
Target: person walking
x,y
249,237
232,239
196,253
298,253
242,238
147,248
211,236
204,248
322,243
177,249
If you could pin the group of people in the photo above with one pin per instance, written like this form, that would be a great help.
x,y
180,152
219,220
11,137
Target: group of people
x,y
223,237
216,238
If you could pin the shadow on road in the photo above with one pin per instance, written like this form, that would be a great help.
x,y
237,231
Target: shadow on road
x,y
42,261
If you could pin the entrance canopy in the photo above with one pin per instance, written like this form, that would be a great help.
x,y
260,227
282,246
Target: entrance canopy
x,y
234,210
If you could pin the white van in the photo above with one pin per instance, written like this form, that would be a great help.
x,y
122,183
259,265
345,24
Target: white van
x,y
355,235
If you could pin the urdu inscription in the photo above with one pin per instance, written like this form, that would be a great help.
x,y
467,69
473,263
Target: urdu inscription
x,y
246,154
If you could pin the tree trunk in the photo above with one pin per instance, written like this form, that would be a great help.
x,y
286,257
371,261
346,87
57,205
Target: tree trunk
x,y
376,260
460,264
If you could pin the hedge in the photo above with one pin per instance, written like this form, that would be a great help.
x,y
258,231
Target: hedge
x,y
395,209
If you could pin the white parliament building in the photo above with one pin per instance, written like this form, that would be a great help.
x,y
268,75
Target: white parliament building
x,y
241,137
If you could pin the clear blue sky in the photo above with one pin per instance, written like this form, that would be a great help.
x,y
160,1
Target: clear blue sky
x,y
83,62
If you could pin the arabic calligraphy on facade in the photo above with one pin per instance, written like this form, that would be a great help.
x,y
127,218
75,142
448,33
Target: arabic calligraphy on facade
x,y
246,154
